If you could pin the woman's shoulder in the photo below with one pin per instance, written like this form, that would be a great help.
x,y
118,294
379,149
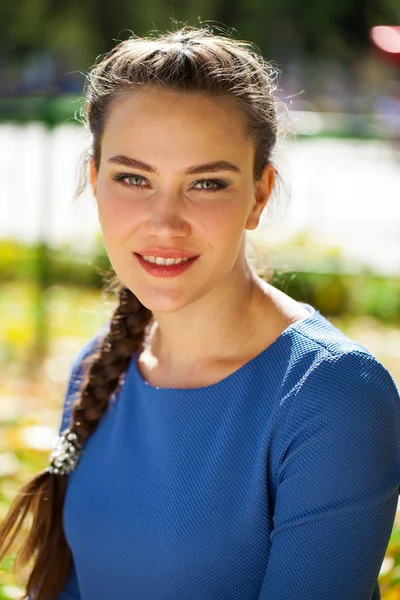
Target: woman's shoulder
x,y
303,329
316,356
335,390
317,331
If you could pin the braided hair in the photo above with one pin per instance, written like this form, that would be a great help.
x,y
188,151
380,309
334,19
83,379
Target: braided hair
x,y
189,60
44,495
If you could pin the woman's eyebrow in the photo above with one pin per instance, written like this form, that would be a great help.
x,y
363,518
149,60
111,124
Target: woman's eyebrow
x,y
220,165
134,163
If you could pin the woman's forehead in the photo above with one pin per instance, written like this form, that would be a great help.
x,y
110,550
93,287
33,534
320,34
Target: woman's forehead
x,y
164,120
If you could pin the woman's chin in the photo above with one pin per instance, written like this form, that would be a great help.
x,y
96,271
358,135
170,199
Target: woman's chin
x,y
161,300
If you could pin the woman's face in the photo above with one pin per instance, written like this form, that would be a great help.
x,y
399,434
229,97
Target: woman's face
x,y
176,175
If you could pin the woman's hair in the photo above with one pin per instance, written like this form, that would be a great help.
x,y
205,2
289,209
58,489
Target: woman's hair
x,y
189,60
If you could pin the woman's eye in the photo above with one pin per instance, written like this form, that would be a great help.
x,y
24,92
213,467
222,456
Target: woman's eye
x,y
135,180
131,180
209,185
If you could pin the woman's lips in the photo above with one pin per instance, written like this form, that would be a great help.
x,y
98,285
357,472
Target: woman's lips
x,y
165,253
165,270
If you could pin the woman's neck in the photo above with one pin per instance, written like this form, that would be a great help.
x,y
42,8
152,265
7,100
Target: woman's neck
x,y
208,329
233,327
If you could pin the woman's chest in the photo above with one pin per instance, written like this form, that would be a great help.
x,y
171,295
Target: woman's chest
x,y
163,499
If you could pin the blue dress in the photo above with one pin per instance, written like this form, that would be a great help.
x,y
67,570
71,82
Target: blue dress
x,y
279,482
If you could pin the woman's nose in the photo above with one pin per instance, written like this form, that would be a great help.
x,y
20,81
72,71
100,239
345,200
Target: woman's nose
x,y
167,215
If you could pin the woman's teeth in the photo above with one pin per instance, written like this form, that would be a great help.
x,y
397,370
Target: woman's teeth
x,y
164,261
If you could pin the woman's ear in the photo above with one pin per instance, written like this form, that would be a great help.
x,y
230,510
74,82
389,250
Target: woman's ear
x,y
262,192
93,175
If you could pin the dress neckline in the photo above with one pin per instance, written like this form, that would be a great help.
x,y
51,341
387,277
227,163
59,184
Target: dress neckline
x,y
148,388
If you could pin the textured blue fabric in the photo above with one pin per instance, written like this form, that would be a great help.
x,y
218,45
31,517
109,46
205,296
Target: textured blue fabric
x,y
279,482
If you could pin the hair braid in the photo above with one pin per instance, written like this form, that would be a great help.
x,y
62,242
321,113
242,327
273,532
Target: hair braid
x,y
43,497
126,333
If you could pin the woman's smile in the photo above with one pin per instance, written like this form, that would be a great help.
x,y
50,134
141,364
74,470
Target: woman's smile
x,y
159,267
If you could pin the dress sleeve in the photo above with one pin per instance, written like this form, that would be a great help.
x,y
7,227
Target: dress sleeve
x,y
336,483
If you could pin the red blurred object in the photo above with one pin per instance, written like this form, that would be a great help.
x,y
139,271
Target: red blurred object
x,y
387,39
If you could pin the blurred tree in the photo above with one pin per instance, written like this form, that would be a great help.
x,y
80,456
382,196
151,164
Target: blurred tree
x,y
74,32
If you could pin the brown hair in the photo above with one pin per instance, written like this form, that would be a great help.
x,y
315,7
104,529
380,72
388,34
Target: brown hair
x,y
190,60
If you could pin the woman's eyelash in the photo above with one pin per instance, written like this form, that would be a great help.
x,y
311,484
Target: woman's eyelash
x,y
120,177
216,184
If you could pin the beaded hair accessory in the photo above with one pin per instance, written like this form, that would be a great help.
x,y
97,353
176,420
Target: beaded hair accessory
x,y
66,453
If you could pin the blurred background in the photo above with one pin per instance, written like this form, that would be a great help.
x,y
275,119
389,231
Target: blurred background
x,y
336,246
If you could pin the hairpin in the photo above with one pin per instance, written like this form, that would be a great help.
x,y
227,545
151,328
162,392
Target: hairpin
x,y
66,453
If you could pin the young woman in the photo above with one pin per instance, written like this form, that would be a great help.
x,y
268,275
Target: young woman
x,y
219,440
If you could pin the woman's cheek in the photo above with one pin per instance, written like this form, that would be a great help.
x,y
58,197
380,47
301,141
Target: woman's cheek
x,y
115,210
227,214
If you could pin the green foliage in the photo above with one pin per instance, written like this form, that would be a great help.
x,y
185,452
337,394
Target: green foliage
x,y
326,287
48,110
22,262
77,31
380,298
339,293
